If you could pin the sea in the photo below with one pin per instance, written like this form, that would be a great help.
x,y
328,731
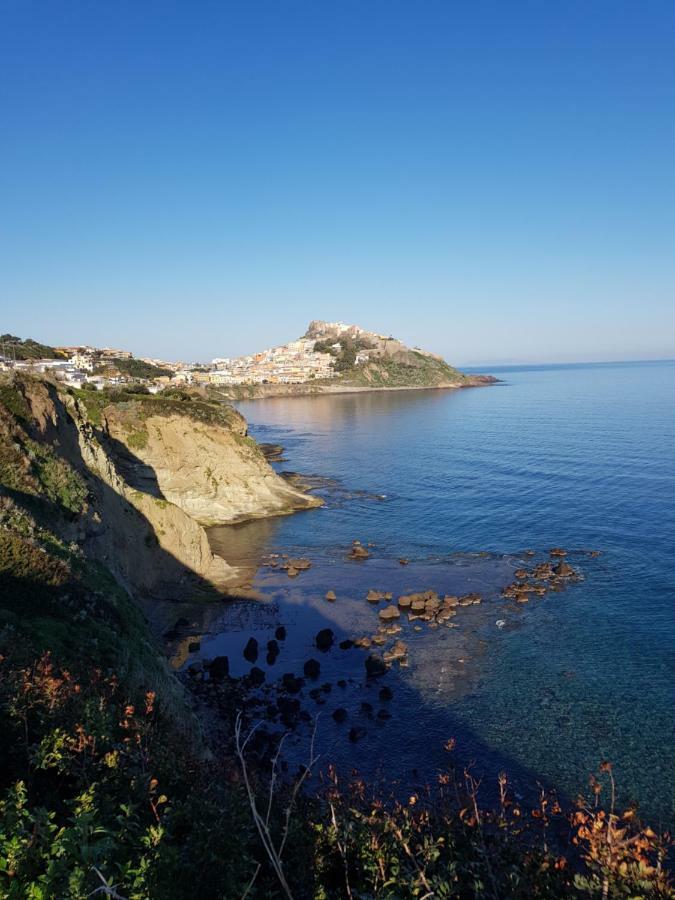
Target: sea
x,y
467,486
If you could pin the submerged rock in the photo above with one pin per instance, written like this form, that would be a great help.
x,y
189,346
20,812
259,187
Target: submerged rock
x,y
219,667
280,633
256,676
291,683
375,666
251,650
324,639
312,668
300,564
339,714
398,651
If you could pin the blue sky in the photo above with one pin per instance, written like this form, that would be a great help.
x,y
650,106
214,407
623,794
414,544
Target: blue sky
x,y
493,181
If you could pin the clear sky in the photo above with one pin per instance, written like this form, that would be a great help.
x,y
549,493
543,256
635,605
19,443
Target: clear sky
x,y
494,181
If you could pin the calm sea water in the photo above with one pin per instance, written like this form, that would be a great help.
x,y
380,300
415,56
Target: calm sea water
x,y
579,456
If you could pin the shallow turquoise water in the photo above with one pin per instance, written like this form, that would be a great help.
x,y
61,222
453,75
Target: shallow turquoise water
x,y
578,456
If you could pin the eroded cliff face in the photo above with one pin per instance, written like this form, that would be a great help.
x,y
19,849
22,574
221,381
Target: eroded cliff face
x,y
135,480
210,470
54,464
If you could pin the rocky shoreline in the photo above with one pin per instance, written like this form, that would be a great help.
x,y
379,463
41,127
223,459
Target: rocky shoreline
x,y
283,675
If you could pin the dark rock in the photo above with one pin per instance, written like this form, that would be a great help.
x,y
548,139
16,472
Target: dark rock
x,y
375,666
315,693
312,668
289,710
386,693
339,714
346,644
291,683
564,570
251,650
280,633
383,714
327,687
324,639
272,647
256,676
219,667
366,707
342,683
288,705
355,734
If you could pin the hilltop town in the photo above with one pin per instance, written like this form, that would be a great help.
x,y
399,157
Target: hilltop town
x,y
330,355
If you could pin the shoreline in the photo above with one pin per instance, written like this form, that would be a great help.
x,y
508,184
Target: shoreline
x,y
272,391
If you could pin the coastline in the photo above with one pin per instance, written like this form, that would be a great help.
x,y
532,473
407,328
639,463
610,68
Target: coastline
x,y
268,391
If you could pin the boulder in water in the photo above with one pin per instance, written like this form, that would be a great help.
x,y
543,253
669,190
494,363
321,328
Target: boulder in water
x,y
251,650
324,639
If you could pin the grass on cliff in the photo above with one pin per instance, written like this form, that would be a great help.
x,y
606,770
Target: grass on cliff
x,y
389,373
139,407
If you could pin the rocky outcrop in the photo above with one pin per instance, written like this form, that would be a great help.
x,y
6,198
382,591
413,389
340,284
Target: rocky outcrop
x,y
212,471
137,480
150,544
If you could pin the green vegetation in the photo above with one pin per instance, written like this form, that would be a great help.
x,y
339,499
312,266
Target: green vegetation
x,y
134,368
345,357
391,373
137,440
139,407
14,401
28,349
34,468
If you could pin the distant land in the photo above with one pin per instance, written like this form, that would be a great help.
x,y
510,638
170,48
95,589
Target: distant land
x,y
330,357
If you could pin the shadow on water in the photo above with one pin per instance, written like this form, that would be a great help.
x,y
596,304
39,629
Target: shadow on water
x,y
402,747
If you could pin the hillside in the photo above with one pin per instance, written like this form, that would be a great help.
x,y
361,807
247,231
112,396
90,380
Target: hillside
x,y
366,359
359,360
14,347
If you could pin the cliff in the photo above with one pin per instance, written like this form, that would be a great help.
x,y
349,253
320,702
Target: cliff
x,y
132,480
208,467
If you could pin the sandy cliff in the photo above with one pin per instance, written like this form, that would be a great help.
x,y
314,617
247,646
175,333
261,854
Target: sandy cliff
x,y
212,471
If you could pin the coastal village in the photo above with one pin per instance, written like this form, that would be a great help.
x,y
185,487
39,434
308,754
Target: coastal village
x,y
296,362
